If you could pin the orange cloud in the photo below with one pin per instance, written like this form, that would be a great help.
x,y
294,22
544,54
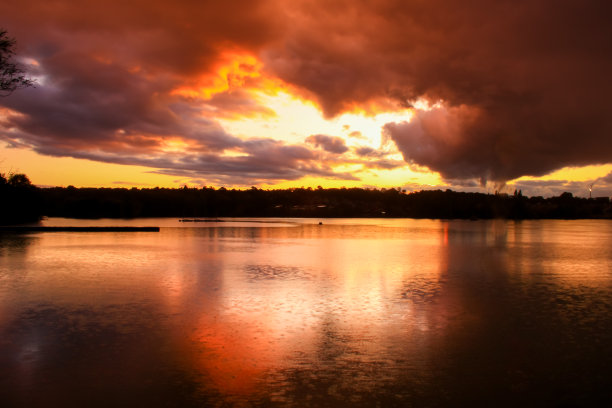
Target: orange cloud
x,y
232,70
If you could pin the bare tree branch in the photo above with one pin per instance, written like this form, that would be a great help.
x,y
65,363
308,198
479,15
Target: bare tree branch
x,y
12,76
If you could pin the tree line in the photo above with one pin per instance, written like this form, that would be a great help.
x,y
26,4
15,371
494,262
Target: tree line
x,y
23,202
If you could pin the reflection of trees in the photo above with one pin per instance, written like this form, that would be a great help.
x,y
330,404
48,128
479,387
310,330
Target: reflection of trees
x,y
506,333
117,342
15,245
90,355
13,257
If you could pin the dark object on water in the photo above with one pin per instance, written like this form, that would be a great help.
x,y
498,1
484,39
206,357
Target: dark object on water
x,y
200,220
75,229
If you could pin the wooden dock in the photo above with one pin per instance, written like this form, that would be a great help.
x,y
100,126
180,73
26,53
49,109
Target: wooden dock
x,y
38,228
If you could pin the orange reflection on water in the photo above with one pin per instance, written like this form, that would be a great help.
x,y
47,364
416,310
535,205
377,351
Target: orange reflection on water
x,y
301,295
235,357
249,338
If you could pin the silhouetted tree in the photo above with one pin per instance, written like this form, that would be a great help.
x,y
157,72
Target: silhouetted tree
x,y
19,180
20,200
12,76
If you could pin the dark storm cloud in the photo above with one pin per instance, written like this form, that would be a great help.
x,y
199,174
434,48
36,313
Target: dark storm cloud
x,y
524,85
433,139
332,144
183,38
113,63
81,118
85,101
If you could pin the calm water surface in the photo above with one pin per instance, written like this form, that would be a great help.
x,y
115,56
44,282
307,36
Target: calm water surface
x,y
287,312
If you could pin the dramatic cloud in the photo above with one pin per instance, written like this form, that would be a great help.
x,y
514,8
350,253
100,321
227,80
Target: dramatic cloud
x,y
524,86
499,89
434,139
332,144
109,79
265,160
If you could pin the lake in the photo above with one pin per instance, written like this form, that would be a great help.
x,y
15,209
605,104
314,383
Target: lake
x,y
288,312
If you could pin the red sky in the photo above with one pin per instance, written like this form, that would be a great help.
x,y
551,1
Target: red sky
x,y
291,93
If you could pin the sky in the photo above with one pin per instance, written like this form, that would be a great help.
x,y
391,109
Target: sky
x,y
473,95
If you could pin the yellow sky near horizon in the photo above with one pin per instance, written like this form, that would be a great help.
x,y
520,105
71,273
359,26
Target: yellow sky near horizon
x,y
48,171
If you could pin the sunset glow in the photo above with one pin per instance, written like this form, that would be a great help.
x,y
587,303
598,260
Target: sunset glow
x,y
277,97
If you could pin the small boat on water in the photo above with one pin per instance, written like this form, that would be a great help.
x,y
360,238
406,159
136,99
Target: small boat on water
x,y
200,220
